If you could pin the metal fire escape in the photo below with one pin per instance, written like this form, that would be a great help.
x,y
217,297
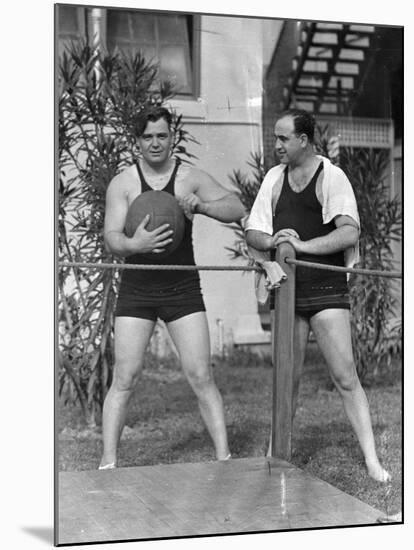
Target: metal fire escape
x,y
329,67
327,78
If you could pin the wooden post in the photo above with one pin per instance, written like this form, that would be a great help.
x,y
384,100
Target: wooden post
x,y
282,356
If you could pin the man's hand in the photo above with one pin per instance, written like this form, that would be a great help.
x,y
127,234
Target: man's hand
x,y
191,205
144,241
288,236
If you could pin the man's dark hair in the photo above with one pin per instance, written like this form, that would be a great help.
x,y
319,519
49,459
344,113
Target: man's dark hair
x,y
151,114
304,122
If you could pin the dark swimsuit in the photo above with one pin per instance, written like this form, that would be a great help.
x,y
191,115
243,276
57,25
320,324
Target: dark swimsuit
x,y
168,295
316,290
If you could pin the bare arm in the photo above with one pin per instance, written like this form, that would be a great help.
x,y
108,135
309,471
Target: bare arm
x,y
345,235
115,215
227,209
259,240
212,199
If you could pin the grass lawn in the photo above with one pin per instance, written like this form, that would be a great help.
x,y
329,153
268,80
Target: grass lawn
x,y
164,426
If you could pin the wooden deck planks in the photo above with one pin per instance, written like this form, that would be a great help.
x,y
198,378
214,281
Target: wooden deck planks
x,y
237,496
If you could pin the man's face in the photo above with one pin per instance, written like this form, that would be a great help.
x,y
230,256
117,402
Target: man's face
x,y
288,145
155,142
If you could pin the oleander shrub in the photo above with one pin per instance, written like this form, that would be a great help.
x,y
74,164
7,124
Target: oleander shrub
x,y
99,97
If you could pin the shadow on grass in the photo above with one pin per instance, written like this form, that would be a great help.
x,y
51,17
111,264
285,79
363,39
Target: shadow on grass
x,y
197,446
314,440
249,439
194,446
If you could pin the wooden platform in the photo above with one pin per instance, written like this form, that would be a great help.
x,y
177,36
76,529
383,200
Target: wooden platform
x,y
238,496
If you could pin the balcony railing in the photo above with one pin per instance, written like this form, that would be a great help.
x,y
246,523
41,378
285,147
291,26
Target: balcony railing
x,y
360,132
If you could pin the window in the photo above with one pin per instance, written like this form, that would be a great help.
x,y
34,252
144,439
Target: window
x,y
165,39
70,25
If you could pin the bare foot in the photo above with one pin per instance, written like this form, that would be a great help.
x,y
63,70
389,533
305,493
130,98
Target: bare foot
x,y
227,457
108,466
377,472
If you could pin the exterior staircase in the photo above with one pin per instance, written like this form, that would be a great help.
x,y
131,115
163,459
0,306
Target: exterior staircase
x,y
329,67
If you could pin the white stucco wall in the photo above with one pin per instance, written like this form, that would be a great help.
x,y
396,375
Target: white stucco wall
x,y
226,121
271,33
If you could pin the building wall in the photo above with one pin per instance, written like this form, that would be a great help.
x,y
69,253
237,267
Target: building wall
x,y
227,122
276,77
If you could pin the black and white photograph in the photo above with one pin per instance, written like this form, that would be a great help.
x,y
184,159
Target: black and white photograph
x,y
226,191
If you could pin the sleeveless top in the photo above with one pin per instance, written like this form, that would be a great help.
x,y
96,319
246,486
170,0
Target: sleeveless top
x,y
144,281
302,212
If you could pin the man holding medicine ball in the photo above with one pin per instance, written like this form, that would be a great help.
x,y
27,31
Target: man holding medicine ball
x,y
173,296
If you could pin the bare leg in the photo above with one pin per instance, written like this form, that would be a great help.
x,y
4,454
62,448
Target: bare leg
x,y
300,340
333,334
191,338
131,339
